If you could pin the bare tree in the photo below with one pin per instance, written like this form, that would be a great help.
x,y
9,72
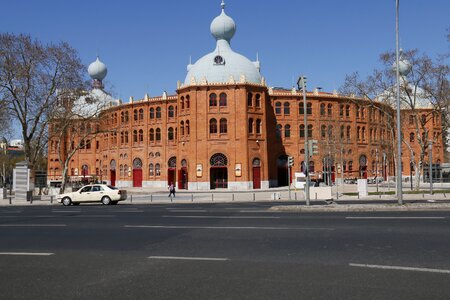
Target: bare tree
x,y
424,92
32,78
76,124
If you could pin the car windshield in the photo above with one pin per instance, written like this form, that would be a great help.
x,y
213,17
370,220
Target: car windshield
x,y
112,187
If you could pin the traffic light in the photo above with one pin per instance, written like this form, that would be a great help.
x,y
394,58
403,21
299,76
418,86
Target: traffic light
x,y
313,148
290,161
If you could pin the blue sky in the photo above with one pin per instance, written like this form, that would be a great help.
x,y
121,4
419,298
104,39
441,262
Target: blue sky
x,y
146,44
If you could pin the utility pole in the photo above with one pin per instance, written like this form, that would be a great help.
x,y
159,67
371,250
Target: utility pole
x,y
430,150
301,83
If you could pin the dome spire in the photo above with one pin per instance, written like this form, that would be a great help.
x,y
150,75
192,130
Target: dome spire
x,y
223,5
223,27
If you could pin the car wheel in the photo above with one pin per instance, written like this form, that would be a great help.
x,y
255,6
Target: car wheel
x,y
66,201
106,200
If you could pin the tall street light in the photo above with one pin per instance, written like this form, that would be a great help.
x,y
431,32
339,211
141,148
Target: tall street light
x,y
301,83
402,68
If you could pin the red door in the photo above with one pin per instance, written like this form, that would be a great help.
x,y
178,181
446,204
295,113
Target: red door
x,y
182,179
113,177
171,176
256,178
137,177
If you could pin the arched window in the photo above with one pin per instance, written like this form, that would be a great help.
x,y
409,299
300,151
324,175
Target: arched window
x,y
151,135
309,108
258,100
249,99
121,171
302,131
287,109
250,125
348,132
278,108
171,112
278,131
350,166
330,109
151,170
84,170
258,126
287,131
141,136
322,109
213,126
136,115
223,126
256,162
152,113
342,132
172,162
184,163
188,130
182,128
347,111
330,131
170,134
310,131
323,131
126,137
135,136
357,111
158,134
411,137
158,170
364,133
424,119
158,112
182,102
218,160
212,99
341,110
141,114
301,108
358,133
127,117
137,164
223,100
188,102
362,112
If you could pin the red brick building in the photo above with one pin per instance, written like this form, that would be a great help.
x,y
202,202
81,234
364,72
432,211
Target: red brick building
x,y
225,128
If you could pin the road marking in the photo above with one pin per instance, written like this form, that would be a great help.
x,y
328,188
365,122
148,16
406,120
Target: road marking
x,y
400,268
224,227
187,210
255,211
66,211
396,218
26,254
188,258
33,225
220,217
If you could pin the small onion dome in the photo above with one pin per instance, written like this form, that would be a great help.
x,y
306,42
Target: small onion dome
x,y
223,27
97,70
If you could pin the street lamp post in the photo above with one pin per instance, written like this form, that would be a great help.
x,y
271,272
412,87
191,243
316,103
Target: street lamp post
x,y
401,68
301,84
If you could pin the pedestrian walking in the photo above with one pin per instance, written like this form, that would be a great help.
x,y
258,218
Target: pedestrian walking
x,y
171,189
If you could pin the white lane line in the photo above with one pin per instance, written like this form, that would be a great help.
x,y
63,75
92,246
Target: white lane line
x,y
26,253
400,268
187,210
66,211
33,225
255,211
220,217
224,227
396,218
188,258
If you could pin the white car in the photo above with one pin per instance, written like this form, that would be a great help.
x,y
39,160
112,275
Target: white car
x,y
103,193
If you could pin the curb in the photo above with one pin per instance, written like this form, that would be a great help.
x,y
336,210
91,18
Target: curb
x,y
360,208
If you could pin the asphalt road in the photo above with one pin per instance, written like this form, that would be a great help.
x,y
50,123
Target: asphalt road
x,y
221,251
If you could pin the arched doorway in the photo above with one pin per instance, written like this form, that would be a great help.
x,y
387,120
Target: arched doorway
x,y
137,172
171,171
183,176
256,174
363,167
219,171
112,176
282,165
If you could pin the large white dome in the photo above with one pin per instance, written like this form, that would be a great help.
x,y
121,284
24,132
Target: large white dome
x,y
223,64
